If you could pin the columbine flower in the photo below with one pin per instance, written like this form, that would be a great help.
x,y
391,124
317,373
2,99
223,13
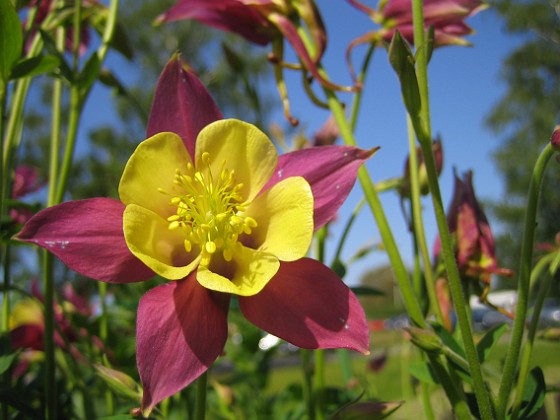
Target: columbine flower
x,y
208,202
44,8
26,181
474,242
445,16
261,22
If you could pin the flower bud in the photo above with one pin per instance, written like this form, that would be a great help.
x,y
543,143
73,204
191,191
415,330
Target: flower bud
x,y
425,339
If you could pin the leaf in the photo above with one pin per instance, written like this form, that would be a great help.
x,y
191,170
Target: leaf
x,y
7,355
34,66
50,46
448,339
423,372
487,343
366,291
89,74
533,394
402,61
11,39
122,384
367,410
20,401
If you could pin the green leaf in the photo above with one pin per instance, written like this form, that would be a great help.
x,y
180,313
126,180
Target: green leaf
x,y
6,361
339,268
423,372
366,291
50,46
487,343
89,74
34,66
11,39
122,384
533,395
402,61
448,339
20,401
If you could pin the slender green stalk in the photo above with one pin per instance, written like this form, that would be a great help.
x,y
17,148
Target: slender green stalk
x,y
524,272
200,404
424,136
411,303
528,347
307,370
418,225
361,77
50,381
319,383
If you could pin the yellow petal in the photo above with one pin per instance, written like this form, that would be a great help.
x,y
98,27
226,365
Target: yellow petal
x,y
150,240
26,311
284,214
244,148
151,167
245,275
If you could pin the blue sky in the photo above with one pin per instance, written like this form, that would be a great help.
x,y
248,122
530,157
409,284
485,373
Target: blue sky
x,y
464,85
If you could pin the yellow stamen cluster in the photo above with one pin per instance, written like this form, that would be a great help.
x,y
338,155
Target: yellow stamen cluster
x,y
209,210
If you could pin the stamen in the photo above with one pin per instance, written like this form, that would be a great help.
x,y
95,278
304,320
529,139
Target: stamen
x,y
209,210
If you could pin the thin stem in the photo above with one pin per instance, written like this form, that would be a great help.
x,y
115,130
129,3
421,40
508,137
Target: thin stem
x,y
50,382
418,225
528,347
200,404
524,272
307,370
319,383
361,77
424,136
401,273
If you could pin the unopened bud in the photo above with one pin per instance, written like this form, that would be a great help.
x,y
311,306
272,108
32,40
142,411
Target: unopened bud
x,y
425,339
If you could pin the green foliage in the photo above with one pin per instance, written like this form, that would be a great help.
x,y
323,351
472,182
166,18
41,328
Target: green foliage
x,y
525,118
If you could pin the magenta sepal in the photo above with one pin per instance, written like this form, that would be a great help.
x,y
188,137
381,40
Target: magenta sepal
x,y
330,170
226,15
180,331
181,105
308,305
87,236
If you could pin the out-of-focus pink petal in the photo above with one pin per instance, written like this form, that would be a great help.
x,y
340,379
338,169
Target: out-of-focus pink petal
x,y
27,336
87,235
308,305
181,105
180,331
331,172
226,15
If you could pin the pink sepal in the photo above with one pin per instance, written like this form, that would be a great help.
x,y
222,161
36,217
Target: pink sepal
x,y
87,236
308,305
180,331
330,170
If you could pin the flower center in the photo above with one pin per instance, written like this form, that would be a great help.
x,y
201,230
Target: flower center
x,y
209,210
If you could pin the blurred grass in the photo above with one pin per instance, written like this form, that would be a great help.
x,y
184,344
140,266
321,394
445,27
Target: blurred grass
x,y
392,382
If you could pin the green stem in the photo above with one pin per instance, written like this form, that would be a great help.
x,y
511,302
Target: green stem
x,y
307,370
372,197
319,383
73,123
361,77
50,380
524,272
200,404
424,136
528,347
418,225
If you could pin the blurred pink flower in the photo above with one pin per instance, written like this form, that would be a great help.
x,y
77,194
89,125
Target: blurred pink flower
x,y
445,16
26,181
474,243
261,22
